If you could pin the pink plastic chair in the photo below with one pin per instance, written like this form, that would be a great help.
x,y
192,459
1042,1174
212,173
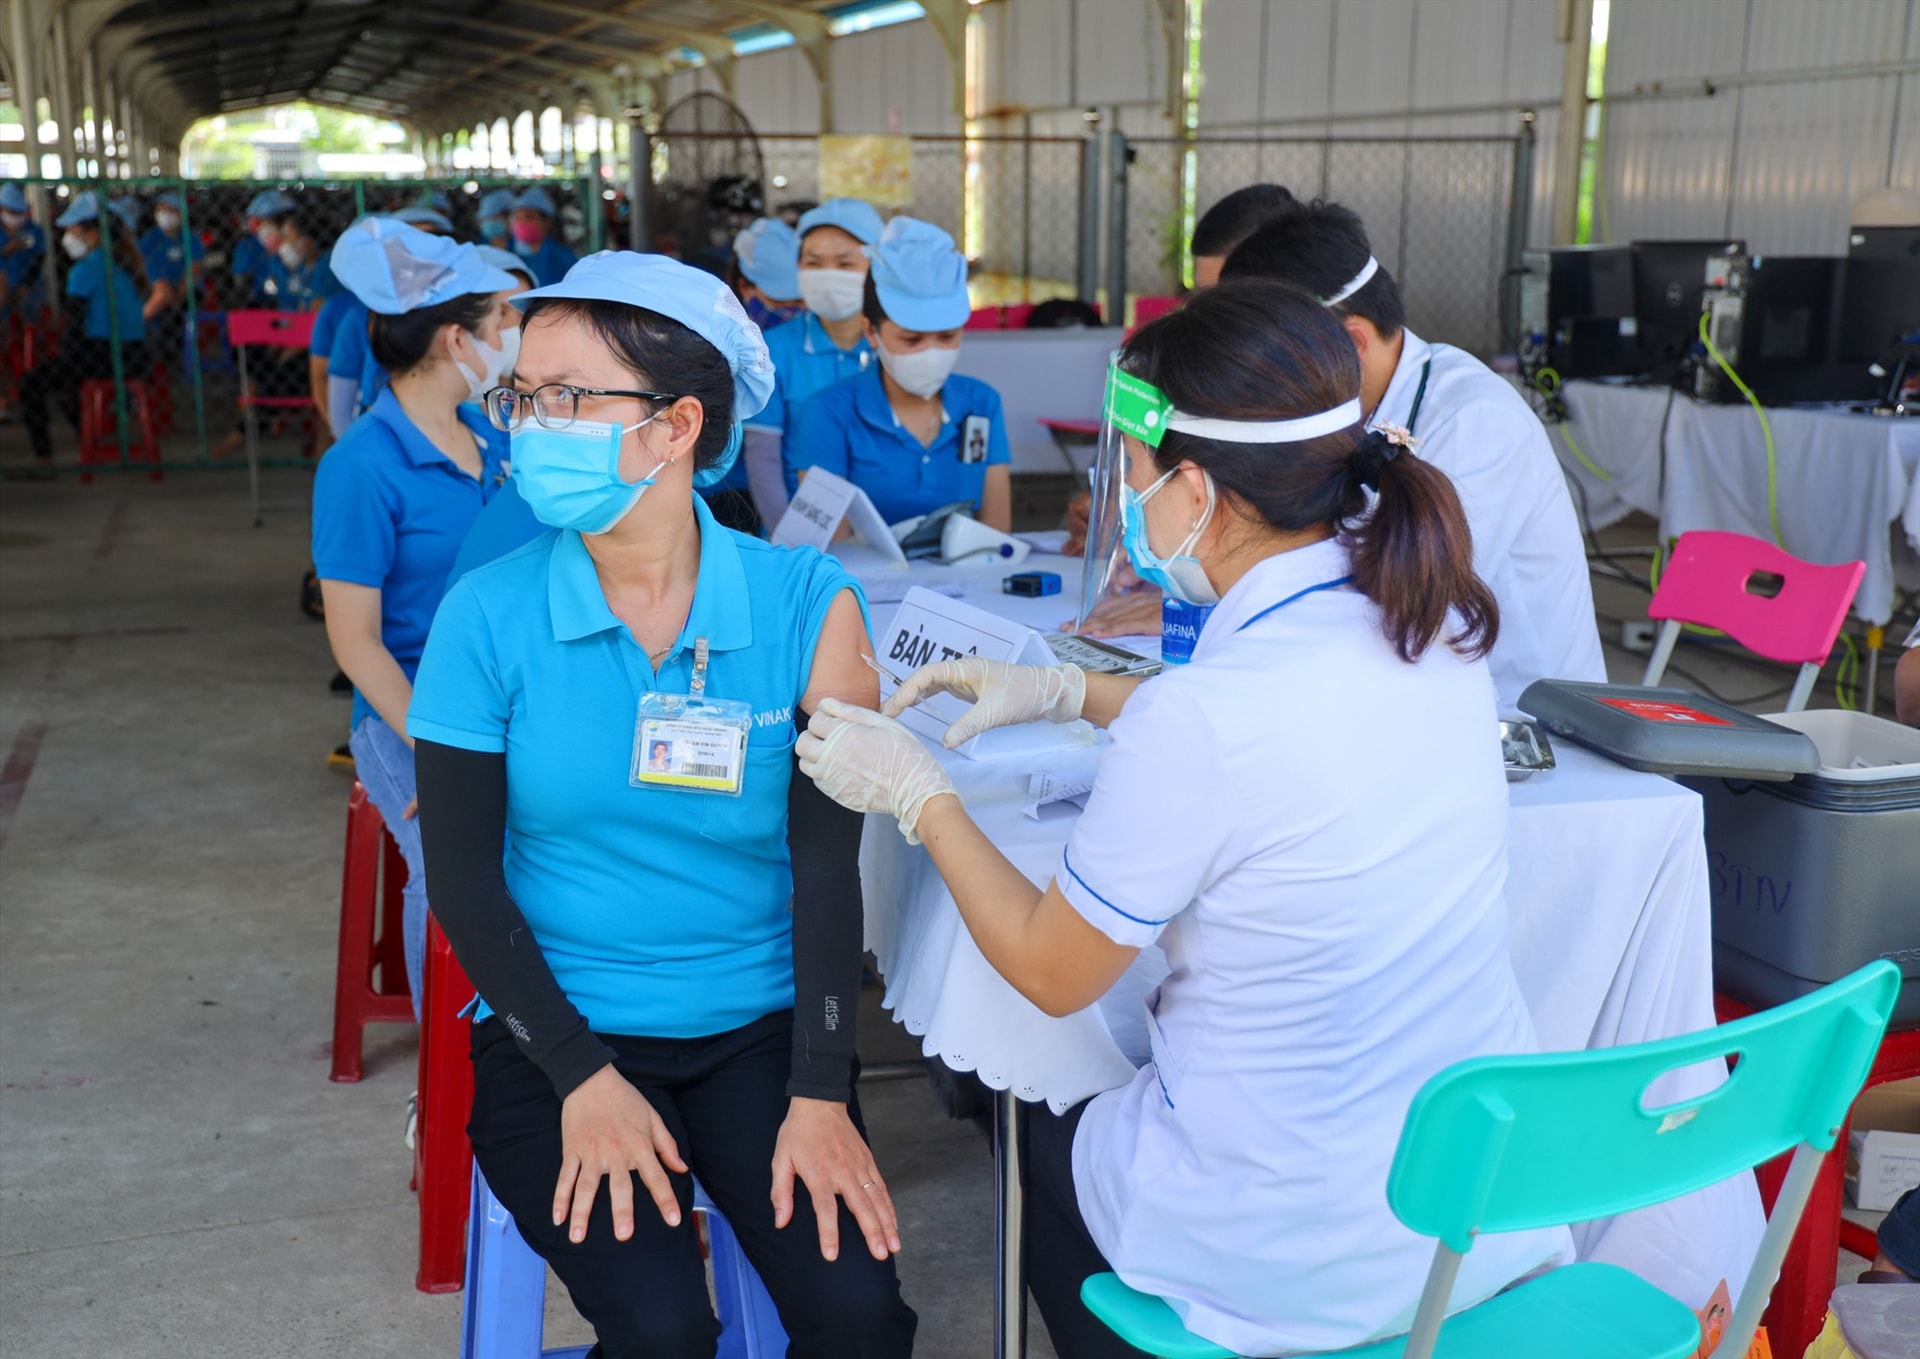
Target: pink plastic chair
x,y
1014,315
1147,309
1709,582
259,326
986,318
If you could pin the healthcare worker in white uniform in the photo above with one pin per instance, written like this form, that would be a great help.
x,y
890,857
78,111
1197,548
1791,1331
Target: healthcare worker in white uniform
x,y
1310,819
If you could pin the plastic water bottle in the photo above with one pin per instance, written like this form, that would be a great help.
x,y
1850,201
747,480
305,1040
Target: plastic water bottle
x,y
1180,624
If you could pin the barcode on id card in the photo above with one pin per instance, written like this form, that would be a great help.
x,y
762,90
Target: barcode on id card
x,y
706,771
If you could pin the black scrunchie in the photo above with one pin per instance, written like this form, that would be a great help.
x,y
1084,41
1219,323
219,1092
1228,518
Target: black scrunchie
x,y
1376,450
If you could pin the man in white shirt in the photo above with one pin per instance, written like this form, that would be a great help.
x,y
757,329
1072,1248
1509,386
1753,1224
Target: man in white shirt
x,y
1473,426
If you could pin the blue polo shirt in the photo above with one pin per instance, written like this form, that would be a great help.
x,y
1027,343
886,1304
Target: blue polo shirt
x,y
21,262
805,359
326,325
549,263
250,260
300,289
504,525
352,354
663,913
88,279
166,256
850,429
390,511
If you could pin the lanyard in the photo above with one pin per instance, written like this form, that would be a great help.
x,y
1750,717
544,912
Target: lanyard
x,y
1419,394
1301,594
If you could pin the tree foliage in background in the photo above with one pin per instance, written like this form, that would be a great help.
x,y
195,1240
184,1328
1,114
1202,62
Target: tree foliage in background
x,y
225,147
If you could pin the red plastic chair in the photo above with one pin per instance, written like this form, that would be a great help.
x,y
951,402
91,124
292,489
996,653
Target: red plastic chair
x,y
1709,581
360,998
283,329
442,1157
99,425
1014,315
986,318
1798,1310
1147,309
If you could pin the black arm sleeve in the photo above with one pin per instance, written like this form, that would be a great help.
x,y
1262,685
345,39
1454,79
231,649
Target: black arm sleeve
x,y
463,832
823,839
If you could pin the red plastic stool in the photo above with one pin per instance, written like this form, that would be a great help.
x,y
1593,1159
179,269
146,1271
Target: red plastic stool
x,y
442,1157
358,998
160,391
1798,1310
99,425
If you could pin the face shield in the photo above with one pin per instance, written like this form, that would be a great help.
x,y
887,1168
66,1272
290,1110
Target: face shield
x,y
1131,407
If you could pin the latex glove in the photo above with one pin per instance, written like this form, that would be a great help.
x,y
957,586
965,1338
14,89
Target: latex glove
x,y
1002,695
869,763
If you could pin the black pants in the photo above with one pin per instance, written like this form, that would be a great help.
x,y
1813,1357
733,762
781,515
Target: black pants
x,y
58,378
1061,1254
723,1098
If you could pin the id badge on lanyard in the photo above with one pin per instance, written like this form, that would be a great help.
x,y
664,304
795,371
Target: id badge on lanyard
x,y
691,742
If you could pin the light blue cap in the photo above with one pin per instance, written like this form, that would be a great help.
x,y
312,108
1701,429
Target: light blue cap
x,y
437,200
536,198
395,268
12,198
128,210
694,298
769,255
169,199
420,215
854,216
495,202
507,262
269,203
920,277
84,208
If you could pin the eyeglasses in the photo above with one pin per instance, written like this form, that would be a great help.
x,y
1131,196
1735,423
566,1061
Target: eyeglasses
x,y
553,406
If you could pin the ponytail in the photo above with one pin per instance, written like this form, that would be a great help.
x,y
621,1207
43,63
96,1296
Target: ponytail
x,y
1413,555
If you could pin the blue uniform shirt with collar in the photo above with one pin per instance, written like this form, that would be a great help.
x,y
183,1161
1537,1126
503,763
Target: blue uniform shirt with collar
x,y
250,260
506,524
390,512
805,360
88,280
549,263
663,913
352,354
326,325
166,256
21,264
298,289
850,429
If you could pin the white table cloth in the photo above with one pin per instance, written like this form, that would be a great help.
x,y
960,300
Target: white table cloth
x,y
1618,428
1611,943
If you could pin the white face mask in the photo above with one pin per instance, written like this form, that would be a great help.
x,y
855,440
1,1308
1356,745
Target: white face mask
x,y
495,363
13,221
924,371
167,220
75,247
833,294
290,255
269,238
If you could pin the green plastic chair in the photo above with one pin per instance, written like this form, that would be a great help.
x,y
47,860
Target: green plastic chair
x,y
1506,1144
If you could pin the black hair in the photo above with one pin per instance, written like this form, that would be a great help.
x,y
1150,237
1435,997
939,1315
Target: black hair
x,y
870,303
664,355
1238,215
1253,349
402,343
1319,249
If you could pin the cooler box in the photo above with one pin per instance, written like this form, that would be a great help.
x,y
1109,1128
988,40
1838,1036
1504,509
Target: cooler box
x,y
1819,875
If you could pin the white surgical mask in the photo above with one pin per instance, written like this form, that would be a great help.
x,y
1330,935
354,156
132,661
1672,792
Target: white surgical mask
x,y
290,255
924,371
75,247
13,221
167,220
269,238
495,362
833,294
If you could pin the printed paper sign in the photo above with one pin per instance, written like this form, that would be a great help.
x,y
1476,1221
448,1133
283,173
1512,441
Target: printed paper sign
x,y
1653,710
874,167
823,500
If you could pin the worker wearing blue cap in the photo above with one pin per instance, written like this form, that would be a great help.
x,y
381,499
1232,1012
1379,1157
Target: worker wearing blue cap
x,y
23,249
166,249
394,498
254,251
299,276
496,207
827,344
655,911
533,238
425,218
910,432
105,284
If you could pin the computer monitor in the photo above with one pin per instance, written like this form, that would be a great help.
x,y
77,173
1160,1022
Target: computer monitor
x,y
1591,330
1668,279
1884,243
1790,321
1879,308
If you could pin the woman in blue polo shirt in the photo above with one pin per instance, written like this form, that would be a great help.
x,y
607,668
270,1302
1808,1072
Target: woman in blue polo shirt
x,y
105,297
826,344
533,239
669,961
393,499
765,277
910,432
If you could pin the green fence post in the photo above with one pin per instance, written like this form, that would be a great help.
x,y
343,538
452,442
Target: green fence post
x,y
594,207
190,348
359,199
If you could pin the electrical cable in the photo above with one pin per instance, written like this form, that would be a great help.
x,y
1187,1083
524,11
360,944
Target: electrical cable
x,y
1547,382
1766,428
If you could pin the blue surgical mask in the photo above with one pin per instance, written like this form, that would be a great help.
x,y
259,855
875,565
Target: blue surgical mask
x,y
494,229
570,478
1181,575
767,316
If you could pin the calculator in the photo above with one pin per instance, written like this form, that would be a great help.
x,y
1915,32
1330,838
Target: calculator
x,y
1100,658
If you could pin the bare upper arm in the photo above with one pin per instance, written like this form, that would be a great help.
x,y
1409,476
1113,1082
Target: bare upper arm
x,y
1082,963
838,668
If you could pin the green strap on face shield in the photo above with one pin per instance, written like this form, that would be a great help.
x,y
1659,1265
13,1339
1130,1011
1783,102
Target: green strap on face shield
x,y
1135,407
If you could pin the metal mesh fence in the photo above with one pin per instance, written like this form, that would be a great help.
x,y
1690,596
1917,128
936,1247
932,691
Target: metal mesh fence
x,y
116,331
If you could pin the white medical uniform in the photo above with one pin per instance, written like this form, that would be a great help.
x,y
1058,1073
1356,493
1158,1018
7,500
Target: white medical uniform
x,y
1526,540
1315,833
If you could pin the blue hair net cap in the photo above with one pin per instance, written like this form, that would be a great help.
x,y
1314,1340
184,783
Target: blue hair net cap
x,y
854,216
395,268
506,262
84,208
920,277
436,199
693,297
536,198
769,255
269,203
12,198
421,216
127,210
169,199
495,203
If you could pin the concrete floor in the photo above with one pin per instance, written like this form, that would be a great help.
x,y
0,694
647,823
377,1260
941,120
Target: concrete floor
x,y
180,1177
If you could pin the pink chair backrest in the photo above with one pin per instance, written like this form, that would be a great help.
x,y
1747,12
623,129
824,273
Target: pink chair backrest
x,y
261,326
1015,315
1709,581
984,318
1147,309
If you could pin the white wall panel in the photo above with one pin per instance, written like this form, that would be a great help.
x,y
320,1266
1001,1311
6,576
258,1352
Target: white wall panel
x,y
903,67
1029,54
1120,52
777,91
